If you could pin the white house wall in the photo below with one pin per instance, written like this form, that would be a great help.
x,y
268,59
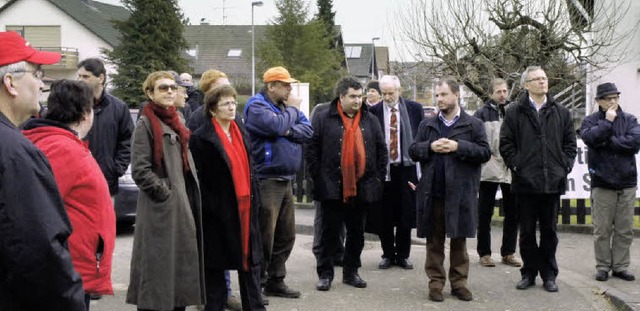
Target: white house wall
x,y
73,34
625,74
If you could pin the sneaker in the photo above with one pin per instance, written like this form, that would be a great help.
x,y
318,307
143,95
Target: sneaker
x,y
511,260
486,261
233,303
279,289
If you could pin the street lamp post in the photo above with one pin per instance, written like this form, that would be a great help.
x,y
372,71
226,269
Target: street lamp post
x,y
253,48
373,56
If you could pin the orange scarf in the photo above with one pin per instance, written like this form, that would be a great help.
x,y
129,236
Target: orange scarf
x,y
241,177
353,154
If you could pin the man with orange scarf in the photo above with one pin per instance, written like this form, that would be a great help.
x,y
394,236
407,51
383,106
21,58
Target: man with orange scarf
x,y
347,179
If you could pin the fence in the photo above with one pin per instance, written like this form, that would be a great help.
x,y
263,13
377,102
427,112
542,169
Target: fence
x,y
303,192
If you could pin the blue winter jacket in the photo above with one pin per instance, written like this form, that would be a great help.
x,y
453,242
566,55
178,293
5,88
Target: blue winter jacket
x,y
277,133
612,149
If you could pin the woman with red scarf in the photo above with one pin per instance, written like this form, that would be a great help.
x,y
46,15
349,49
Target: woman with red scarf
x,y
166,261
229,207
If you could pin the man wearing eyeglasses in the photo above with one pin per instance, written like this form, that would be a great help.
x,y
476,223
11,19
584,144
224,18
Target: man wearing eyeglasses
x,y
36,272
110,136
613,139
538,145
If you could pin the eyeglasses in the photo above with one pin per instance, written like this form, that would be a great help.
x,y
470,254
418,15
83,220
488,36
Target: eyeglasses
x,y
166,87
538,79
37,73
610,98
227,104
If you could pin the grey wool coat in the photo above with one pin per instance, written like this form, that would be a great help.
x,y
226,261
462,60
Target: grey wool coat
x,y
462,178
166,262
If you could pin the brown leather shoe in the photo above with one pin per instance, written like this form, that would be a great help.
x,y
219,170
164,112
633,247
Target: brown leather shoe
x,y
511,260
435,294
486,261
462,293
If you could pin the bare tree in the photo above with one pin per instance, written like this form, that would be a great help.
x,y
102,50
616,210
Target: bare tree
x,y
478,40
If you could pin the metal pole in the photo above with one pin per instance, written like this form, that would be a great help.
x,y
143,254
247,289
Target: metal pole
x,y
253,56
253,47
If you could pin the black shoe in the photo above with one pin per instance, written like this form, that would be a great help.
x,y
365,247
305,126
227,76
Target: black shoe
x,y
279,289
462,293
602,275
550,286
323,284
354,280
95,296
404,264
625,275
385,263
526,282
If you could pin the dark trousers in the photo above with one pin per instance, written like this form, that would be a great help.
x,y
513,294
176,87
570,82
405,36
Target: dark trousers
x,y
248,281
317,234
486,207
277,226
396,245
334,214
458,256
87,301
541,209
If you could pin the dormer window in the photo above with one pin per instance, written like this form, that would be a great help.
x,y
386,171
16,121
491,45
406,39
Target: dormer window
x,y
234,53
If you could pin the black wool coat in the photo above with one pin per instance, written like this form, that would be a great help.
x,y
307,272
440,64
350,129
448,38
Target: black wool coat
x,y
323,155
462,178
220,217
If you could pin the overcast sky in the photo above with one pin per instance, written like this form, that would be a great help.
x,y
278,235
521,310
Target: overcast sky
x,y
361,20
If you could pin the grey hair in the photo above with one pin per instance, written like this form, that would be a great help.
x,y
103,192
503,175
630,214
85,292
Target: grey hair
x,y
12,68
390,79
525,74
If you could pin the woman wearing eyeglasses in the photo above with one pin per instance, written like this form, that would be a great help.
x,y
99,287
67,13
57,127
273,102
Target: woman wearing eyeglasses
x,y
222,156
166,261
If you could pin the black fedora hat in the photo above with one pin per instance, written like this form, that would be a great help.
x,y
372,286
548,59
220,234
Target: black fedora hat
x,y
605,89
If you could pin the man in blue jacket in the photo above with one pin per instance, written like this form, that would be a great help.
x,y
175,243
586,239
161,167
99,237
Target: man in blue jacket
x,y
613,139
36,272
277,129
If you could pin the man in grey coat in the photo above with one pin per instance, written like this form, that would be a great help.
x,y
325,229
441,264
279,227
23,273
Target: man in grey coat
x,y
453,142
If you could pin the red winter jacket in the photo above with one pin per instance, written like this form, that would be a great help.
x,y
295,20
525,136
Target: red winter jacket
x,y
86,198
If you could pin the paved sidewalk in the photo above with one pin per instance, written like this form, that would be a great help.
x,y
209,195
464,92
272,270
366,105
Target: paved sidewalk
x,y
406,290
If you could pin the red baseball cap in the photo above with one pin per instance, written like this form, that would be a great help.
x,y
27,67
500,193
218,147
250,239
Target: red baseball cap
x,y
16,49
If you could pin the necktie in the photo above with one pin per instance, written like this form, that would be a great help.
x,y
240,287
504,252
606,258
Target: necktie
x,y
393,135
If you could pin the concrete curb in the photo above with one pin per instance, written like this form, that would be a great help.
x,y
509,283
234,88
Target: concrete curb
x,y
582,229
620,300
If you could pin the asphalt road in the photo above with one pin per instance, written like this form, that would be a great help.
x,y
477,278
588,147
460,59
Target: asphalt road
x,y
397,289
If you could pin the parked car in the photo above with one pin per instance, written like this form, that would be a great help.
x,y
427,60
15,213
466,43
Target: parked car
x,y
127,198
429,111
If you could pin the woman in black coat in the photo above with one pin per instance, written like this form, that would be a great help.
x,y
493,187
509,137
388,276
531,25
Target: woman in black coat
x,y
229,208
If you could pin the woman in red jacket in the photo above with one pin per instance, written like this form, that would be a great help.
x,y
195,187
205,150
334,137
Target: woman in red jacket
x,y
83,188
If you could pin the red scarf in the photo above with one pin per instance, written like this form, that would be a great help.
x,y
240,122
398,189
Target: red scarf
x,y
241,180
353,154
157,114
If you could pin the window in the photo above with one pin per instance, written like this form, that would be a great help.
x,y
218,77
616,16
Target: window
x,y
39,36
234,53
352,51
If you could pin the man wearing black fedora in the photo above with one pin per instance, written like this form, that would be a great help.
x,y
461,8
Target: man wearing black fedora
x,y
613,139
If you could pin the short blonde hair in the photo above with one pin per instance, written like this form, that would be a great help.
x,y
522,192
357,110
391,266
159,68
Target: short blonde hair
x,y
210,77
150,82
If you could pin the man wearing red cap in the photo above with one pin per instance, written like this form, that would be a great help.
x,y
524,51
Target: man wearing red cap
x,y
277,129
36,272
